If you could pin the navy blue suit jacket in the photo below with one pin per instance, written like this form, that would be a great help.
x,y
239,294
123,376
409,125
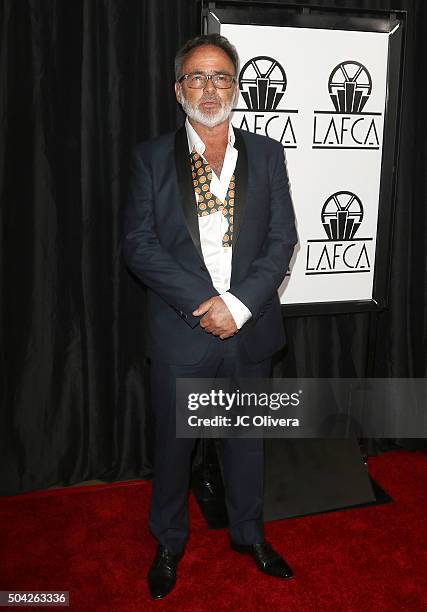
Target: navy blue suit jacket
x,y
162,245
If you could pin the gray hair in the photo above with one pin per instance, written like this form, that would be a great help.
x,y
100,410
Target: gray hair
x,y
206,39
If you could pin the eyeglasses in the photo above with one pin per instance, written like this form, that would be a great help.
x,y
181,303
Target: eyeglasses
x,y
199,80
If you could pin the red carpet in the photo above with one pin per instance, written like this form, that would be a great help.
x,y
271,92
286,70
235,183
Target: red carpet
x,y
93,541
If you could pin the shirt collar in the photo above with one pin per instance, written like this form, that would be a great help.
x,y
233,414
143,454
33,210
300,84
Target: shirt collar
x,y
195,141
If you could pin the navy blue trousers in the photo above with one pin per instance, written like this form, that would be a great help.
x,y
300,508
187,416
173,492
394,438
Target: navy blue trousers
x,y
243,459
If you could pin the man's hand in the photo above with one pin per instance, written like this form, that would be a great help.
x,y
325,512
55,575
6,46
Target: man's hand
x,y
218,319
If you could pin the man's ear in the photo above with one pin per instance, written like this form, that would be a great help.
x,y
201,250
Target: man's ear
x,y
178,92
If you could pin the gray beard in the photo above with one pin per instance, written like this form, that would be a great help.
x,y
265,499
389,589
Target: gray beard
x,y
208,120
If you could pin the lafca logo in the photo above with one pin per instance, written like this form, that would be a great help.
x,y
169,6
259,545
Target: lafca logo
x,y
262,83
350,126
341,252
350,86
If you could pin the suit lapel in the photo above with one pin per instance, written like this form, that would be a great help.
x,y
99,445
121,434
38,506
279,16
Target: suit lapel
x,y
186,188
241,176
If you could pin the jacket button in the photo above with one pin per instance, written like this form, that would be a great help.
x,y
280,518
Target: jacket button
x,y
203,269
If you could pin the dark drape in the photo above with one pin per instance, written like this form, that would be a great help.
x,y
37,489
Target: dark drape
x,y
81,82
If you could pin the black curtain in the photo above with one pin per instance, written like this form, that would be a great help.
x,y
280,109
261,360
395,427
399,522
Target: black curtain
x,y
81,82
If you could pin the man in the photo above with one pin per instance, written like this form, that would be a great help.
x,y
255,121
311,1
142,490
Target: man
x,y
210,232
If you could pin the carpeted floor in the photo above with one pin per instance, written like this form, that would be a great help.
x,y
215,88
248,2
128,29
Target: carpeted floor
x,y
93,541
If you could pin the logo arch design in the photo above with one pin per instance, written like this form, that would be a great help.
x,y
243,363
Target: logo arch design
x,y
350,86
341,215
262,83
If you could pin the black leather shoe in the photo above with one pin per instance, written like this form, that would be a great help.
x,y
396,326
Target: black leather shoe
x,y
266,559
162,573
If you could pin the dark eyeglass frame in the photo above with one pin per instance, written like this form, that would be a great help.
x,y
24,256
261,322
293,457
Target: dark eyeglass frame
x,y
206,77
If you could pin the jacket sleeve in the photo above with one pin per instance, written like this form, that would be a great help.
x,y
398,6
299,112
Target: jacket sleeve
x,y
268,270
148,259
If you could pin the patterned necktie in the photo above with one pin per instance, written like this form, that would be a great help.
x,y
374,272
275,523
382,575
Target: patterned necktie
x,y
207,203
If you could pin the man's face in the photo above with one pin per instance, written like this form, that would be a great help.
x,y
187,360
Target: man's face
x,y
208,106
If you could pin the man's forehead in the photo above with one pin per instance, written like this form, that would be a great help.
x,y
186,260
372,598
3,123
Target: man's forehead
x,y
208,55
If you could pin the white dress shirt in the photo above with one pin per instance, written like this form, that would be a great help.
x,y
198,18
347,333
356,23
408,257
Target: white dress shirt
x,y
212,227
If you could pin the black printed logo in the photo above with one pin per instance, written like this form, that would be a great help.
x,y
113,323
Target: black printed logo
x,y
349,125
263,83
350,86
341,252
342,214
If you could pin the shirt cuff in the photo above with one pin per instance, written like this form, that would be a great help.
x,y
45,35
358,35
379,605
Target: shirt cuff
x,y
239,311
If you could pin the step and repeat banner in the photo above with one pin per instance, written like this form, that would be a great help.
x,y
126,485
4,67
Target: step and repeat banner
x,y
322,93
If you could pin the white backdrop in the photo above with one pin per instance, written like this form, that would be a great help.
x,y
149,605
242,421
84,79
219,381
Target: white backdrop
x,y
324,100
